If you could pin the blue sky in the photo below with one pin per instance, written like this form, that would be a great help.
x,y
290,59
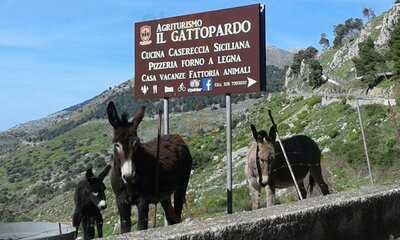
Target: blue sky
x,y
54,54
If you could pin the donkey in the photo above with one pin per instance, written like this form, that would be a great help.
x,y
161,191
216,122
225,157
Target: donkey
x,y
266,165
139,178
90,199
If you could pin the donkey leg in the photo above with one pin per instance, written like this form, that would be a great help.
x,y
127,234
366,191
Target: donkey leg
x,y
172,218
86,229
179,200
270,191
124,210
143,215
317,175
302,190
255,195
99,225
76,221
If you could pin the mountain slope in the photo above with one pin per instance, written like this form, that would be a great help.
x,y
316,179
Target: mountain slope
x,y
334,127
338,68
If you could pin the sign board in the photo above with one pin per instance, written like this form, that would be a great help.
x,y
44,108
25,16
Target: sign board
x,y
209,53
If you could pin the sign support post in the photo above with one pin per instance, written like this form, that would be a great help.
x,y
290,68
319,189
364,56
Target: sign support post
x,y
228,153
166,116
166,132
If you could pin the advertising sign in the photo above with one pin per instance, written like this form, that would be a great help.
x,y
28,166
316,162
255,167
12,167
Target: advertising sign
x,y
208,53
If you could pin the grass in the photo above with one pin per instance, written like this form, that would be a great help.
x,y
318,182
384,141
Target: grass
x,y
327,57
344,73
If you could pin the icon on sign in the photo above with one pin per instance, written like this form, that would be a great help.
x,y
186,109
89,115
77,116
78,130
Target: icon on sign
x,y
207,85
155,89
145,34
144,89
168,89
181,88
195,83
250,82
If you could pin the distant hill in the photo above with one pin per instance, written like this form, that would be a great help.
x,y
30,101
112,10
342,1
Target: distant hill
x,y
278,57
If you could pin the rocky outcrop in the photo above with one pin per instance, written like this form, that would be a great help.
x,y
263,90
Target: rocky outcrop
x,y
389,23
297,82
350,49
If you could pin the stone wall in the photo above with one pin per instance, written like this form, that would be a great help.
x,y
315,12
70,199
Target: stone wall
x,y
370,213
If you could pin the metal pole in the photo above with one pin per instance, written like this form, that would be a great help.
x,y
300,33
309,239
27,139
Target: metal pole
x,y
365,142
166,132
228,153
289,166
59,228
166,116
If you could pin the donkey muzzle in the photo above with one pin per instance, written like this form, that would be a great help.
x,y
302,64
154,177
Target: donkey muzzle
x,y
102,205
263,180
127,173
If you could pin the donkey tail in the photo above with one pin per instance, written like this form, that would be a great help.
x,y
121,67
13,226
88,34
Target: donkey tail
x,y
311,184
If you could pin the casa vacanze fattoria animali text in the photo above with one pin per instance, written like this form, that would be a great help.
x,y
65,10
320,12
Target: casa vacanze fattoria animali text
x,y
209,53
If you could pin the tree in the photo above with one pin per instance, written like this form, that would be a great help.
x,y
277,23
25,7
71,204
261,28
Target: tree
x,y
347,30
310,52
366,13
369,62
315,75
397,1
306,55
324,41
297,59
369,13
395,47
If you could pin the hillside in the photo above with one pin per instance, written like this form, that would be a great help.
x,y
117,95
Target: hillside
x,y
339,72
41,161
334,127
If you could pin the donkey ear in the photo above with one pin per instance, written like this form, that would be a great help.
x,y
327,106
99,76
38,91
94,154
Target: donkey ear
x,y
138,117
254,131
89,173
112,115
272,133
104,173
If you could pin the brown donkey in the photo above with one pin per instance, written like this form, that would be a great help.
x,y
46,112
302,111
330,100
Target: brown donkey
x,y
266,165
135,164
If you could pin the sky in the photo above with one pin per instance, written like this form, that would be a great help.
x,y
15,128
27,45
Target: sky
x,y
54,54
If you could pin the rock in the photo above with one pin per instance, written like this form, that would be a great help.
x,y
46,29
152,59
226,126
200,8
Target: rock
x,y
389,23
350,49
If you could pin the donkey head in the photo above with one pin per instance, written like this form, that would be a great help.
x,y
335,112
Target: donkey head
x,y
125,139
265,152
95,189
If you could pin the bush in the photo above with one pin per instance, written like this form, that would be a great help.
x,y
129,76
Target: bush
x,y
200,157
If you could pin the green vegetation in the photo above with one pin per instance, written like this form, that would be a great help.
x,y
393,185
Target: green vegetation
x,y
347,31
334,127
324,41
315,75
303,55
369,63
395,48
